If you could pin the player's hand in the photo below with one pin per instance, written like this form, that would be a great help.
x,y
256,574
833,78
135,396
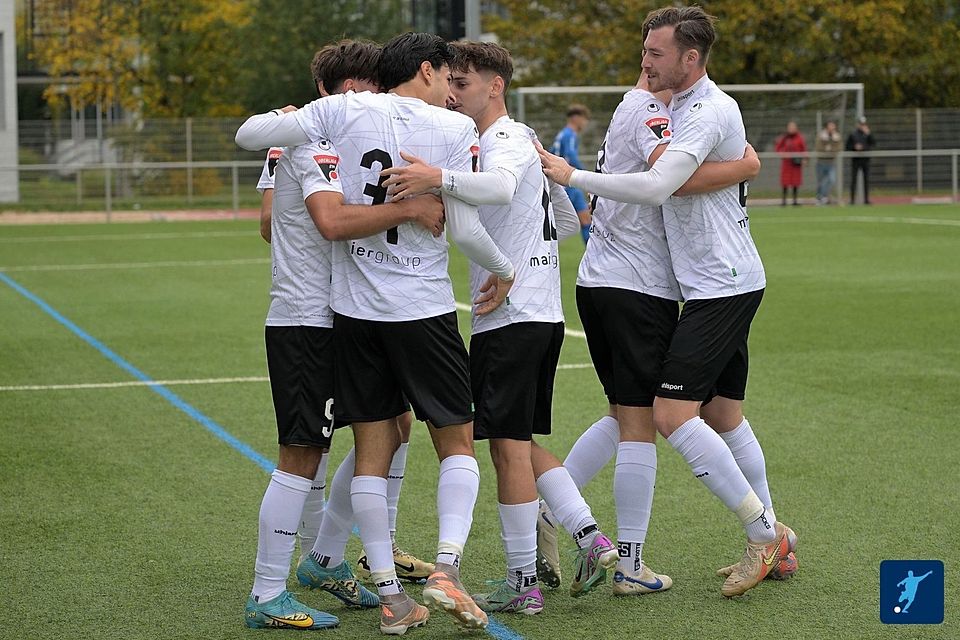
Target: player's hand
x,y
427,212
554,167
417,177
492,294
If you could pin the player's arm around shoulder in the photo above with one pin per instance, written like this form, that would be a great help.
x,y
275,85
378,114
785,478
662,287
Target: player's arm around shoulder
x,y
713,176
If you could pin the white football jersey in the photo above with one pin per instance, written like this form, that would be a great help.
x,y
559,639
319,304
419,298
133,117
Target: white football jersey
x,y
400,274
525,230
628,245
300,293
709,234
269,169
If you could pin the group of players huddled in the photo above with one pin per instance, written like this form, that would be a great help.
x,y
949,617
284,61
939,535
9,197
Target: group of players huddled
x,y
410,145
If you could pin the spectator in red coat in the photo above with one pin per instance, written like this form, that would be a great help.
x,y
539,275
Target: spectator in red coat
x,y
791,167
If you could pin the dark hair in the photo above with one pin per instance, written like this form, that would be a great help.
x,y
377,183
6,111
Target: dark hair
x,y
577,109
402,56
693,28
335,63
483,56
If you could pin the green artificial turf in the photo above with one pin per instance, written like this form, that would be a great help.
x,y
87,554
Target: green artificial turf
x,y
121,516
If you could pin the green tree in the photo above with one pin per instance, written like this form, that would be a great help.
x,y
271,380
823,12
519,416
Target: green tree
x,y
152,56
904,51
282,37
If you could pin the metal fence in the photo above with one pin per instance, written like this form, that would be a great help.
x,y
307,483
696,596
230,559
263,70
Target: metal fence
x,y
194,163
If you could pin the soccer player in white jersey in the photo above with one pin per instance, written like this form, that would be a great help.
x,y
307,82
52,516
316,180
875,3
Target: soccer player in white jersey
x,y
299,356
514,350
347,65
628,297
721,278
395,317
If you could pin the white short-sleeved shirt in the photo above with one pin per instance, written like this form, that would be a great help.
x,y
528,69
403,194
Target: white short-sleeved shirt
x,y
525,230
300,292
713,253
628,243
269,169
400,274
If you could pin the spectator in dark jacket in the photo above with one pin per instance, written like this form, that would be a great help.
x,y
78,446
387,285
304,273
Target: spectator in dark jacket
x,y
860,140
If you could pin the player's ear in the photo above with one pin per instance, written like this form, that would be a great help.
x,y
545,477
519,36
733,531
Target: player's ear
x,y
497,86
426,68
349,85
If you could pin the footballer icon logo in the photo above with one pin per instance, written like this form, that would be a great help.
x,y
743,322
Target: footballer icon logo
x,y
653,106
503,134
323,144
696,107
911,592
328,165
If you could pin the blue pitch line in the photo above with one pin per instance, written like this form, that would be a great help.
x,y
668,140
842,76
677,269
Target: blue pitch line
x,y
208,423
494,628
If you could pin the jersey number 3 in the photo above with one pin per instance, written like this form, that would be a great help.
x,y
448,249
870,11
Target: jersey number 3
x,y
377,191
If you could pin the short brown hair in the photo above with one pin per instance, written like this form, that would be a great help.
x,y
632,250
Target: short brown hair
x,y
483,56
577,109
335,63
693,28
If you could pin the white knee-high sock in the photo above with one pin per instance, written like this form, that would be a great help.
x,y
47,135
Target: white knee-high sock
x,y
280,512
313,508
457,488
394,483
633,485
337,522
560,493
518,529
369,498
593,450
712,462
746,451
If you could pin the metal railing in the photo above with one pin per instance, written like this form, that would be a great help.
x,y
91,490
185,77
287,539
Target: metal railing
x,y
230,184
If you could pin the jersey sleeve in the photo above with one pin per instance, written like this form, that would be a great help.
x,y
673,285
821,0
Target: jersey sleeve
x,y
269,169
323,117
508,151
463,219
652,128
317,167
700,133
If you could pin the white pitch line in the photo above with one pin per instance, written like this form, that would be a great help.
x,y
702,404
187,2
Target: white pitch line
x,y
171,383
570,332
136,265
131,383
129,236
868,219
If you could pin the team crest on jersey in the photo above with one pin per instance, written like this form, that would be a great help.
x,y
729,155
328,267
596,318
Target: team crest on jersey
x,y
475,152
659,127
273,157
328,165
503,134
653,106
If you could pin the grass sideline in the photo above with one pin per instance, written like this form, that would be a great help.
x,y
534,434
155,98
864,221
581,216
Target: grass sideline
x,y
122,517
